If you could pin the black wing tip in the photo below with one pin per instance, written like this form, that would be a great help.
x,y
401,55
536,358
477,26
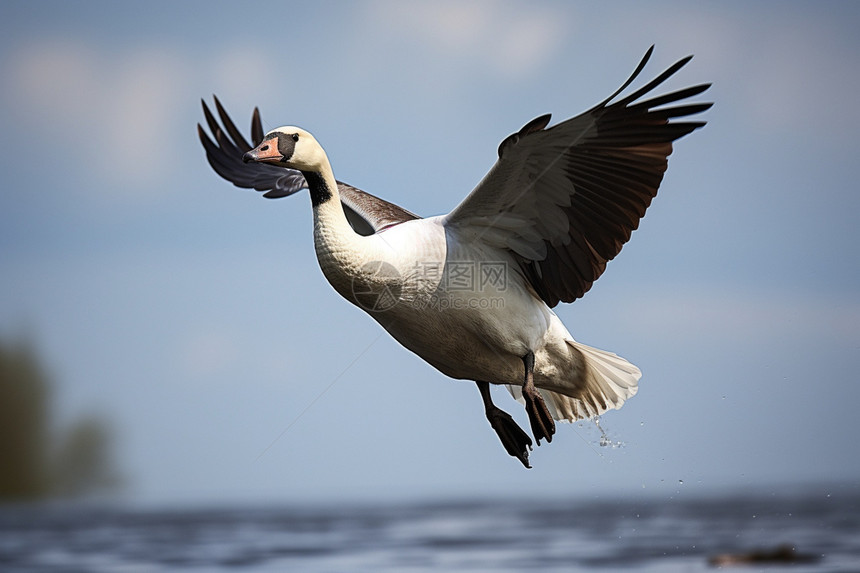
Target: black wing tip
x,y
674,67
684,61
537,124
256,127
669,72
699,88
235,135
647,56
218,105
639,67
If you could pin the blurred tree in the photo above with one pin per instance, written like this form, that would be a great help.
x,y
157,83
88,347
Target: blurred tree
x,y
33,463
81,464
23,425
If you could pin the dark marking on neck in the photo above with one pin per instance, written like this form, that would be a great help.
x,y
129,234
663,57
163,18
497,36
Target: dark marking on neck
x,y
320,193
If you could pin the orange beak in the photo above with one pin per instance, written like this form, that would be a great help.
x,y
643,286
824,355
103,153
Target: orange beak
x,y
266,152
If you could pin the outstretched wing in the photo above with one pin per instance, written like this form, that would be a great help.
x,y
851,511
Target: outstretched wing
x,y
366,213
225,157
565,199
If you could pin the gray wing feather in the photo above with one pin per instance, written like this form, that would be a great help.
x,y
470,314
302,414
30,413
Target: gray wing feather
x,y
566,199
366,213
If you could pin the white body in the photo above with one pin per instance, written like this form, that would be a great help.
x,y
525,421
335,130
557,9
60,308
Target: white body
x,y
479,333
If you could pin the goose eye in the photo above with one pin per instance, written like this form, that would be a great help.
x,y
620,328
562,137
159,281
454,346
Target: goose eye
x,y
295,137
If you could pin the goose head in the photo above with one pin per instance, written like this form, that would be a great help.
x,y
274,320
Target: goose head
x,y
291,147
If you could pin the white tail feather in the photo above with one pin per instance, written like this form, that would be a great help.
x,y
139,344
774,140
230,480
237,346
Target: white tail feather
x,y
609,380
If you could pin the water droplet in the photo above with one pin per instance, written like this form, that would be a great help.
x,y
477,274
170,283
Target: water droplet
x,y
681,482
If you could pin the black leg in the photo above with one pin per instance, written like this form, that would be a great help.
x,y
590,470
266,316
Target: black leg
x,y
541,422
516,442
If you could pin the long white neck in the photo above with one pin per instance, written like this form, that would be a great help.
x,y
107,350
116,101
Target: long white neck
x,y
341,252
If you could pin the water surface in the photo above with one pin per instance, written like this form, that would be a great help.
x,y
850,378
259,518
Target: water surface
x,y
645,535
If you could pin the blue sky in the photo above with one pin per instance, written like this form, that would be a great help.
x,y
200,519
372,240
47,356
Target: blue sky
x,y
194,317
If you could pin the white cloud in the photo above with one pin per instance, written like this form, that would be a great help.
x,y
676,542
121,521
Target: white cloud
x,y
748,316
54,82
803,82
111,113
208,354
243,70
511,39
120,118
139,111
786,71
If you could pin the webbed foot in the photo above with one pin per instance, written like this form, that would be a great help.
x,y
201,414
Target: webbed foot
x,y
516,442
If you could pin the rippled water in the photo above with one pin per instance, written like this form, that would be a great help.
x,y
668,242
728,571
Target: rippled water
x,y
494,535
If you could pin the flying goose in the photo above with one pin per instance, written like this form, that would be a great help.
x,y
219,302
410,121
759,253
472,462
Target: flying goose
x,y
471,292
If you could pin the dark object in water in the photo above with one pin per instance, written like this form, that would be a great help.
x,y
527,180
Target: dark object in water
x,y
779,554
